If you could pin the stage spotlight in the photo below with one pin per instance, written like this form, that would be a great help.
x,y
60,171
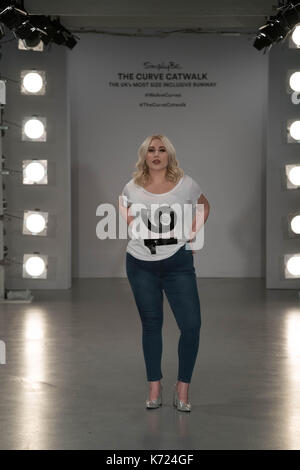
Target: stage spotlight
x,y
261,41
296,36
294,131
273,31
12,17
295,224
35,266
294,81
33,29
35,223
34,129
293,176
19,22
278,26
30,35
45,24
35,172
60,35
54,31
33,82
292,266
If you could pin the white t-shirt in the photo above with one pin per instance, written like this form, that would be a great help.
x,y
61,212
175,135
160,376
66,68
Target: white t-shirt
x,y
166,215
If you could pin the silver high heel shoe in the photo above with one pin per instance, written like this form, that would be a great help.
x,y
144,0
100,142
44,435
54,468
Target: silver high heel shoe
x,y
155,403
179,404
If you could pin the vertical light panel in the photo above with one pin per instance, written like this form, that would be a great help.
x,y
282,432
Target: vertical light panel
x,y
43,186
283,154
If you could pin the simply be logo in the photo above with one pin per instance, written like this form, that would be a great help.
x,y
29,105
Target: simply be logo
x,y
2,352
152,222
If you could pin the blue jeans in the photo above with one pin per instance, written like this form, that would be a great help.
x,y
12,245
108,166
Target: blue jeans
x,y
176,276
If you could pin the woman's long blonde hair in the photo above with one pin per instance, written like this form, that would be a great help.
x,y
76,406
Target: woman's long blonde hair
x,y
141,174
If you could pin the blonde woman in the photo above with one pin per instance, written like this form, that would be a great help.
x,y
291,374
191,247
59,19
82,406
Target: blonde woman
x,y
156,264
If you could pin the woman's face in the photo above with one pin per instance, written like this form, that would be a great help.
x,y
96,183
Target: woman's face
x,y
157,156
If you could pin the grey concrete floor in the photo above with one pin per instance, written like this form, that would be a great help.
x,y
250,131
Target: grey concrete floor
x,y
75,377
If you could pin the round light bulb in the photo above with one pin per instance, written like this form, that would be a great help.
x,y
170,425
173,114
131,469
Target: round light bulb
x,y
35,266
294,175
295,224
296,35
295,81
34,128
33,82
35,223
293,265
295,130
35,171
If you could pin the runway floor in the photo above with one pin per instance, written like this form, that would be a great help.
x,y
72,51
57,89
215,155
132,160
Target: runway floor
x,y
75,376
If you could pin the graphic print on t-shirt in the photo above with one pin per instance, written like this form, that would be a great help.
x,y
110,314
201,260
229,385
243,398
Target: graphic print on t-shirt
x,y
159,217
160,222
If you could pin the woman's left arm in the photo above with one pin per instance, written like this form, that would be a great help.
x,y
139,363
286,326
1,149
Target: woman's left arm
x,y
202,200
199,221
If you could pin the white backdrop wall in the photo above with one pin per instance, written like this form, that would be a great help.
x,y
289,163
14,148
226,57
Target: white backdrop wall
x,y
219,136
